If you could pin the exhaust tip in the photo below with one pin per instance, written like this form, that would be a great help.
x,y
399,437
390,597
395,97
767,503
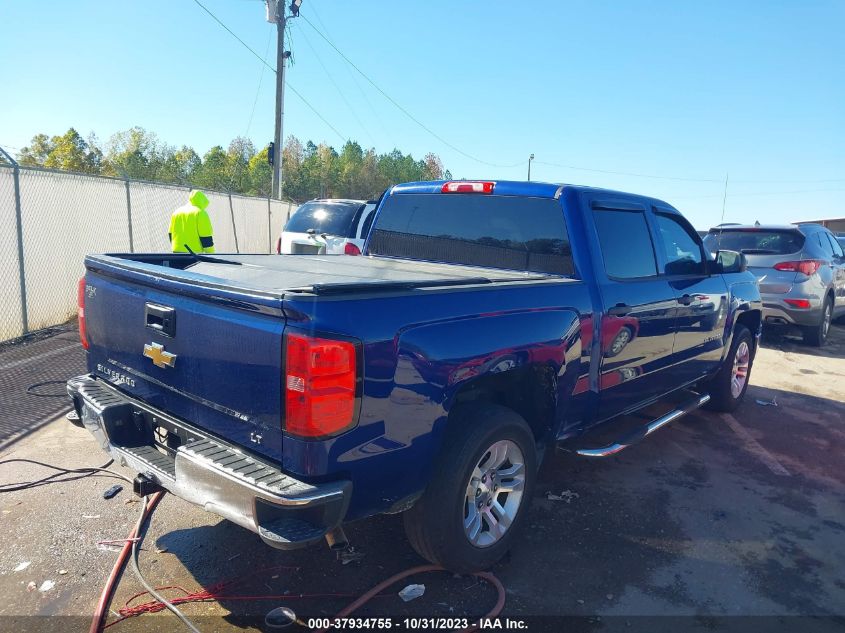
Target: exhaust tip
x,y
336,539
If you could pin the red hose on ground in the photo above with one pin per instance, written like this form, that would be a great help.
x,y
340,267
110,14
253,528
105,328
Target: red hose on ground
x,y
485,575
108,591
98,621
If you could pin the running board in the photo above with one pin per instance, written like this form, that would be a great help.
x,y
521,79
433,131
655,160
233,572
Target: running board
x,y
641,433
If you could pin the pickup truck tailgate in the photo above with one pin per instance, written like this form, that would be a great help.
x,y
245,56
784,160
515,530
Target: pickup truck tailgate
x,y
210,356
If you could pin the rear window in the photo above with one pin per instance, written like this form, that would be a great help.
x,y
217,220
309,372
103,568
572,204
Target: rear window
x,y
332,218
626,245
755,242
510,232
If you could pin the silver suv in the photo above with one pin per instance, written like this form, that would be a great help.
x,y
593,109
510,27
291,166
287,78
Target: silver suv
x,y
801,270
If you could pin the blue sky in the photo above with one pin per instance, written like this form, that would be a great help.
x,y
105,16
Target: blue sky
x,y
661,88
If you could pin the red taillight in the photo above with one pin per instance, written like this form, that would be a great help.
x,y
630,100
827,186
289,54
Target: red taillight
x,y
805,266
798,303
320,382
351,249
467,186
279,246
80,312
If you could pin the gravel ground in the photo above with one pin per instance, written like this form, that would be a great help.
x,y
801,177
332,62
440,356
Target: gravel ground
x,y
714,517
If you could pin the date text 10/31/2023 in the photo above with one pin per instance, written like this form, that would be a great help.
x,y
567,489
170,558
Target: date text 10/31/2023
x,y
417,623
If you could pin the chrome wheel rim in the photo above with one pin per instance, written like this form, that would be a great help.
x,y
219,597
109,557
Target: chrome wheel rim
x,y
494,493
742,361
826,319
621,340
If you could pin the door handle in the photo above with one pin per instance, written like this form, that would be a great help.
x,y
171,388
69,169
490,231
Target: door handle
x,y
620,309
160,318
685,300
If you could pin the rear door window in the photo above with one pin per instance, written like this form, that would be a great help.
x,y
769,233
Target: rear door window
x,y
331,218
626,245
510,232
756,241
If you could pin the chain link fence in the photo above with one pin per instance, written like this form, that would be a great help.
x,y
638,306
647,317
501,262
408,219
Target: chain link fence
x,y
49,221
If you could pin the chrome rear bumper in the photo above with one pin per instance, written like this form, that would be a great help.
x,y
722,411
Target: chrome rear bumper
x,y
219,477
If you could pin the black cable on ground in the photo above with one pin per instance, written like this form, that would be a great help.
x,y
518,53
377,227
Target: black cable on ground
x,y
150,589
61,394
80,473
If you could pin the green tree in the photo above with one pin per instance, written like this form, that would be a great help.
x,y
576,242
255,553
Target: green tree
x,y
35,155
135,153
72,153
433,169
260,174
309,170
241,150
69,151
293,174
213,173
178,166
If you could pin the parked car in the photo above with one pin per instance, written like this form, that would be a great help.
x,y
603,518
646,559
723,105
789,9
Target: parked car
x,y
293,394
801,270
329,226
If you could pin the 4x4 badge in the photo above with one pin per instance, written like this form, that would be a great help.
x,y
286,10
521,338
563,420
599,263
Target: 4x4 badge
x,y
155,352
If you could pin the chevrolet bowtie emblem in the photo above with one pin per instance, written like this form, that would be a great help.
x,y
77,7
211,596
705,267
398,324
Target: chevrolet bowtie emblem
x,y
155,352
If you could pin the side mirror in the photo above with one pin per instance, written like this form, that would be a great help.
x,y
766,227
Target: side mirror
x,y
731,262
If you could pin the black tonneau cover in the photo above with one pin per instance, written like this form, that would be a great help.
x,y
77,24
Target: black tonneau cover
x,y
329,274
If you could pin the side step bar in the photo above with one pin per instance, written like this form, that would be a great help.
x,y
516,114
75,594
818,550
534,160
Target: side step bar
x,y
640,434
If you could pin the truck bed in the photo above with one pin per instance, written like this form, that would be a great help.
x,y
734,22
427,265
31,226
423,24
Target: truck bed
x,y
316,274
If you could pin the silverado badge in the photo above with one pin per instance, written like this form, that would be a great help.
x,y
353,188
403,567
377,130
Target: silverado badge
x,y
155,352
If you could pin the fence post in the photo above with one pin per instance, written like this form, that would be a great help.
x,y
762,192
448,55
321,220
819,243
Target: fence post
x,y
19,229
129,213
234,228
269,224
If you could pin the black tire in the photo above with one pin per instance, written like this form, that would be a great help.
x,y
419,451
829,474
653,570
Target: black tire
x,y
816,335
722,396
435,524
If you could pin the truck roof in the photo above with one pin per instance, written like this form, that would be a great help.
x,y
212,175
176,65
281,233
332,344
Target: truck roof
x,y
522,188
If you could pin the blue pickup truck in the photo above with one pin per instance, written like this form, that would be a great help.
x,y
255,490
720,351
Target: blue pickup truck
x,y
485,323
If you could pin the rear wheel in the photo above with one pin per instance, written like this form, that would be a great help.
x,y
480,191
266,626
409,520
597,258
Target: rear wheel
x,y
727,388
817,334
479,492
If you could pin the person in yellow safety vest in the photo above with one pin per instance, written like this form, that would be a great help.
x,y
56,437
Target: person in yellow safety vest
x,y
190,226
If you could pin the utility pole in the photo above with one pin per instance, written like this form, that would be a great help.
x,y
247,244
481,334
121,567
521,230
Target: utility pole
x,y
276,13
530,158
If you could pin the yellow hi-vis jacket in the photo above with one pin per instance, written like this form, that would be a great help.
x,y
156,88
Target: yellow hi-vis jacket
x,y
190,226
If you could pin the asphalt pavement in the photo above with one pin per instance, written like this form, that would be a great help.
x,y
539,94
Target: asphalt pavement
x,y
717,522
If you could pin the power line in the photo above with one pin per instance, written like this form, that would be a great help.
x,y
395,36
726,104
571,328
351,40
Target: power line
x,y
760,193
312,6
791,182
337,87
237,172
232,33
320,116
400,108
625,173
260,81
684,179
263,61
